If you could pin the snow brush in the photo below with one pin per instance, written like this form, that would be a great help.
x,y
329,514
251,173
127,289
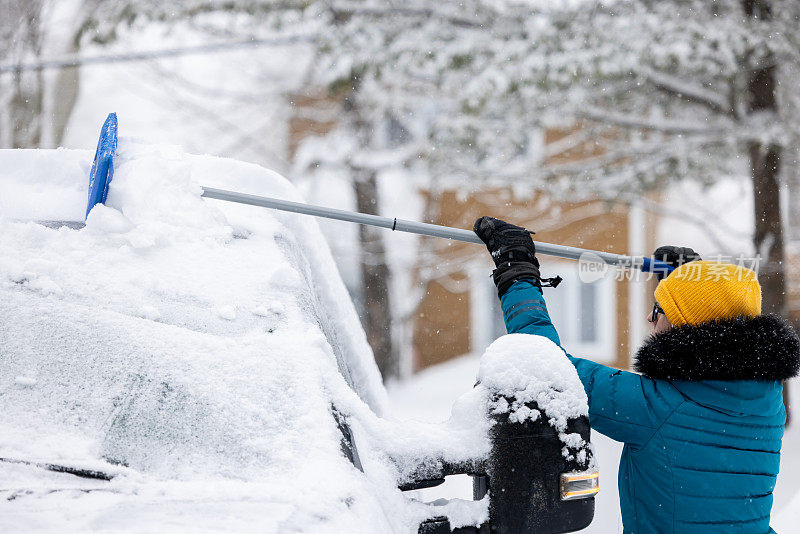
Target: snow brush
x,y
642,263
102,173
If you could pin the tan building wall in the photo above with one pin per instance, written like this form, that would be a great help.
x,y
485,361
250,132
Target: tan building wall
x,y
793,281
314,113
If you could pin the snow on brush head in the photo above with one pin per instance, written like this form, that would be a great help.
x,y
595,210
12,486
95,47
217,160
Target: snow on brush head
x,y
518,369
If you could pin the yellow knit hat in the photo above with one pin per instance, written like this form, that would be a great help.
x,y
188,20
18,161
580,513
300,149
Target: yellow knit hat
x,y
701,291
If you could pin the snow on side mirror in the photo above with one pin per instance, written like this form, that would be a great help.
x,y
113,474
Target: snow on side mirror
x,y
541,470
536,472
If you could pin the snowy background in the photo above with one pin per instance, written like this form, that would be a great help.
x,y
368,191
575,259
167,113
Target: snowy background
x,y
240,103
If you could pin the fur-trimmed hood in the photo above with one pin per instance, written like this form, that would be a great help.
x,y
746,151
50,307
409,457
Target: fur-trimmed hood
x,y
757,348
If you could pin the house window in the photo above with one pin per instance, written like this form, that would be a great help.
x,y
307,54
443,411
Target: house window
x,y
498,324
588,313
584,314
486,317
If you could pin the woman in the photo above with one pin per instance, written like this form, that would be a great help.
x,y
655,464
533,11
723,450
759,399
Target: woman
x,y
703,422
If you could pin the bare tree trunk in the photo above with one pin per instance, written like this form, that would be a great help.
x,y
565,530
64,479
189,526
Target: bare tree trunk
x,y
26,111
768,237
23,28
64,96
765,161
377,318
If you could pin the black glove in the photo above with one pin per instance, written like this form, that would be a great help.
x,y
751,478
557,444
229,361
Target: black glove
x,y
505,241
512,250
675,256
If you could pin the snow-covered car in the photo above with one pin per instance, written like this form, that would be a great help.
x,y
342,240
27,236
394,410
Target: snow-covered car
x,y
179,363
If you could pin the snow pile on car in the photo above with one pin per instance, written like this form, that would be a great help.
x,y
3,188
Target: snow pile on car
x,y
201,345
522,369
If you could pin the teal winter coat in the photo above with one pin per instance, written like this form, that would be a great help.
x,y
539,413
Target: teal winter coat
x,y
702,424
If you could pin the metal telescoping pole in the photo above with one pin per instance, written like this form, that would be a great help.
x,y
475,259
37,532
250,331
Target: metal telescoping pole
x,y
432,230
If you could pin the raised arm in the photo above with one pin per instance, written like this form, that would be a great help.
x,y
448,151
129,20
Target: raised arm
x,y
622,405
525,312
